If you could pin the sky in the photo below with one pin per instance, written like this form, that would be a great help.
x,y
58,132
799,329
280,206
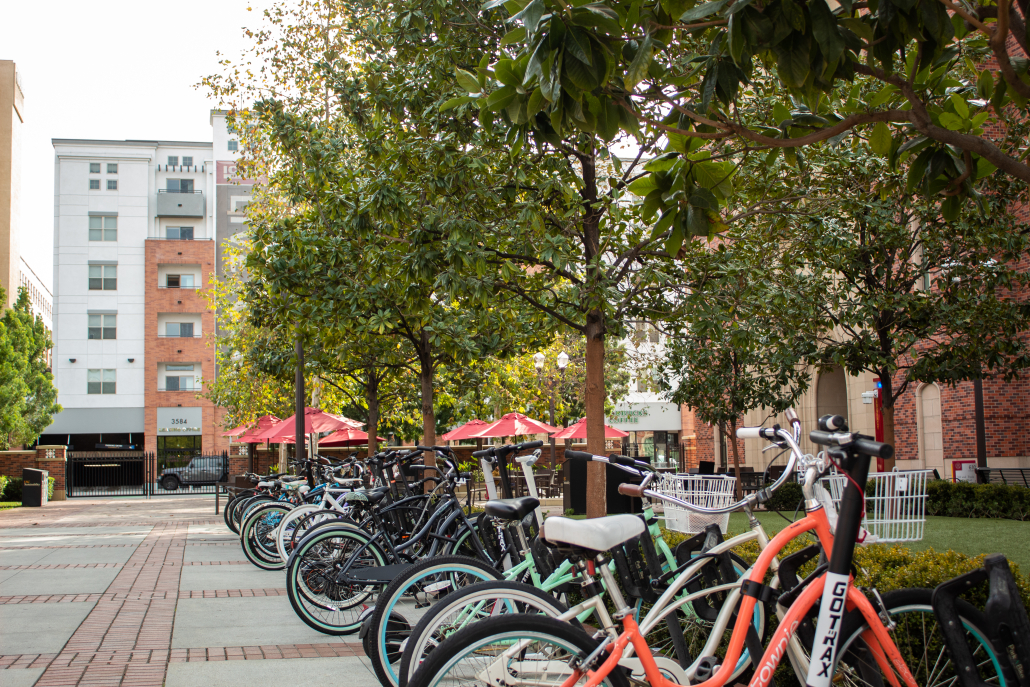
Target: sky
x,y
120,69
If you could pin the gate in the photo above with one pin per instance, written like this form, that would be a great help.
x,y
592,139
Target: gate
x,y
186,472
107,473
134,473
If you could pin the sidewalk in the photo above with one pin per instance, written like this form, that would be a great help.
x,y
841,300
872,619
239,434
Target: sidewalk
x,y
149,593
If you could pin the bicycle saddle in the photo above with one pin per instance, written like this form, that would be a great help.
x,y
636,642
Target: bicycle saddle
x,y
371,496
511,509
599,534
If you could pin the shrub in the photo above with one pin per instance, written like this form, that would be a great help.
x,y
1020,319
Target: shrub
x,y
50,481
967,500
12,490
787,497
4,479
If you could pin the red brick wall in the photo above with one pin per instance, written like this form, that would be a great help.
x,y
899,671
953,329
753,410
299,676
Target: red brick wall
x,y
171,350
12,462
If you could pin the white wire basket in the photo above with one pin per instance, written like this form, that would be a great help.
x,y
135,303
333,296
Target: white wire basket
x,y
895,507
711,491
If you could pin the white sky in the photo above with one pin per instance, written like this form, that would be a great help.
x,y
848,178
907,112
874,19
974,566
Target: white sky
x,y
120,69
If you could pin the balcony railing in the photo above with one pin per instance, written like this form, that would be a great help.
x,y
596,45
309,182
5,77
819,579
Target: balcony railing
x,y
187,288
194,389
178,336
172,203
174,190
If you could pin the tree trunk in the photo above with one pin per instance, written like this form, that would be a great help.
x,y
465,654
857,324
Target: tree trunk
x,y
887,411
372,399
737,490
425,355
596,497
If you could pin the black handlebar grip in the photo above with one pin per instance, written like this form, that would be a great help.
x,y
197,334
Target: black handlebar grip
x,y
578,455
465,475
624,461
529,445
821,438
876,449
833,423
482,454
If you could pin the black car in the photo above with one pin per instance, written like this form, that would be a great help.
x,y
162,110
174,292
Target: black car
x,y
200,471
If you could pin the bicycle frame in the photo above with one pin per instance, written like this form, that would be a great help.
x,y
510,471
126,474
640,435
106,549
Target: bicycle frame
x,y
878,639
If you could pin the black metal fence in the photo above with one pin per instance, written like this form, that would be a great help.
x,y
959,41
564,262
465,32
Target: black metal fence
x,y
134,473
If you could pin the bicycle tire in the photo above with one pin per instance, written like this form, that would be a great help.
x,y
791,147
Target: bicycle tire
x,y
438,624
252,502
230,506
258,526
434,577
284,534
917,637
470,649
322,603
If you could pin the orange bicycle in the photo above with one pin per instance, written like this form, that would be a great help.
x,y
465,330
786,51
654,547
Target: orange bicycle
x,y
847,640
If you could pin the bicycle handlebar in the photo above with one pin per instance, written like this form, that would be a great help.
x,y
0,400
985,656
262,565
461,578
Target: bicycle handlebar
x,y
635,490
853,441
506,449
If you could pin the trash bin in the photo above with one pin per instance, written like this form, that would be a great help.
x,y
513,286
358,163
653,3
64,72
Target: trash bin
x,y
34,487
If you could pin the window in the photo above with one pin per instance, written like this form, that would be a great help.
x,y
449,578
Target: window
x,y
103,277
179,329
173,160
180,281
103,228
94,168
179,186
179,367
181,233
187,161
100,381
234,144
103,326
112,168
179,383
112,184
94,184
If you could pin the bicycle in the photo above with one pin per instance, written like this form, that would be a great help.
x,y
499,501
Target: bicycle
x,y
515,650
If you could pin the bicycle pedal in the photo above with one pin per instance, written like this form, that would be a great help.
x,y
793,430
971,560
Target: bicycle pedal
x,y
706,668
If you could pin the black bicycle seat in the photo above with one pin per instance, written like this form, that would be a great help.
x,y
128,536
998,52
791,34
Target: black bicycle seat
x,y
511,509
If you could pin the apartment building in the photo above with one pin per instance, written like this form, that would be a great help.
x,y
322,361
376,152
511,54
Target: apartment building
x,y
138,230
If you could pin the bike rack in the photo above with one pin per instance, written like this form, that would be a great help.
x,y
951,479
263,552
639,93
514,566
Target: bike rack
x,y
1007,624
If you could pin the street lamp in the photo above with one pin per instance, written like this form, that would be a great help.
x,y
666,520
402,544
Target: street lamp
x,y
538,362
563,360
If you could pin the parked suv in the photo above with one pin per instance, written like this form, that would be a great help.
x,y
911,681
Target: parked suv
x,y
200,471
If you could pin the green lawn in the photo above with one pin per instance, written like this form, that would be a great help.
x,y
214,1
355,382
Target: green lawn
x,y
970,536
9,504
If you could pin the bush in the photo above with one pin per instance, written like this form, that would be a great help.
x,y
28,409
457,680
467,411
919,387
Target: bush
x,y
50,481
967,500
4,479
12,490
786,497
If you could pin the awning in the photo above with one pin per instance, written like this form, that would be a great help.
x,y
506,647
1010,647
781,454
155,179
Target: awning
x,y
97,421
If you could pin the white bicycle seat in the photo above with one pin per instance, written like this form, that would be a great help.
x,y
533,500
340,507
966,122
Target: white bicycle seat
x,y
599,534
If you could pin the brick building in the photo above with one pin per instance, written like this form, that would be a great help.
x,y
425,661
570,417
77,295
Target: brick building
x,y
138,231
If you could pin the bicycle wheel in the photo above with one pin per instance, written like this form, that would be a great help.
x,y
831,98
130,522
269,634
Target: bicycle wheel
x,y
230,506
250,505
540,647
284,535
405,600
917,635
258,535
461,609
321,600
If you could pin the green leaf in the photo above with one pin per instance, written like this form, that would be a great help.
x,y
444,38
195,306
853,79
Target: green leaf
x,y
950,208
467,80
985,85
664,223
531,15
984,168
491,4
951,121
643,186
638,67
703,10
960,105
662,163
918,169
501,98
880,139
824,29
781,114
651,205
455,102
736,38
697,221
883,96
793,63
597,15
516,35
859,28
998,99
505,73
675,240
704,199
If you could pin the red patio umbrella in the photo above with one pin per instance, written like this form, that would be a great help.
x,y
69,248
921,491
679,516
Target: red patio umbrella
x,y
237,431
346,437
466,431
514,424
315,420
579,431
263,423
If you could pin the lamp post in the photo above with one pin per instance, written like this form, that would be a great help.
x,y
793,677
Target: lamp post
x,y
562,363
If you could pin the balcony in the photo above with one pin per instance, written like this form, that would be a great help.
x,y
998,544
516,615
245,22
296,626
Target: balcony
x,y
181,204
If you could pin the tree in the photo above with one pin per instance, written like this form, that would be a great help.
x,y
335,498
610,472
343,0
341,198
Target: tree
x,y
745,336
27,394
908,295
701,73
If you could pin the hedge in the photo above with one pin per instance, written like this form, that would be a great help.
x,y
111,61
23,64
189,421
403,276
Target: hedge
x,y
967,500
11,488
